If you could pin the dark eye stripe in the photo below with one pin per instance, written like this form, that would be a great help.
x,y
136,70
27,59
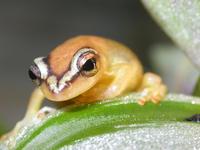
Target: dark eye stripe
x,y
73,71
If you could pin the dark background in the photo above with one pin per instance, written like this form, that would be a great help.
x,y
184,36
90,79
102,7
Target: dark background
x,y
29,29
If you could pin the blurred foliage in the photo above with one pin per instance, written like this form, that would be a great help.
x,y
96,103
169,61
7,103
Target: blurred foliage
x,y
174,68
180,19
71,124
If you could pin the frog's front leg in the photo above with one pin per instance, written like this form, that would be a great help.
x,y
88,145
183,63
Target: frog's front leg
x,y
34,105
152,89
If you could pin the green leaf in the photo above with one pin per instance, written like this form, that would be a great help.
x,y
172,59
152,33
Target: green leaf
x,y
180,19
72,125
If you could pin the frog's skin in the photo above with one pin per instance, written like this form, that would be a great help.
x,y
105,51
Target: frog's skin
x,y
86,69
89,68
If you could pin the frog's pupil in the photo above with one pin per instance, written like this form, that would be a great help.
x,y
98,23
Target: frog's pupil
x,y
89,65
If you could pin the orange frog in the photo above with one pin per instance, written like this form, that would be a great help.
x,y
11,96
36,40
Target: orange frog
x,y
87,69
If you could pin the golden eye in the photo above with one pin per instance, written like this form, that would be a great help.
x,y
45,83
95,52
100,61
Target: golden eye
x,y
85,61
89,68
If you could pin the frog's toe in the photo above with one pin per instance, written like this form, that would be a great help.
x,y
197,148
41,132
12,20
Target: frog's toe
x,y
143,100
153,96
152,89
159,94
156,97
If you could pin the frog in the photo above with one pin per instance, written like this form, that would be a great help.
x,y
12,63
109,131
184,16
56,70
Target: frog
x,y
88,69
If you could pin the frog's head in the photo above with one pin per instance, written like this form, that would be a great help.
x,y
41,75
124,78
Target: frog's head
x,y
69,70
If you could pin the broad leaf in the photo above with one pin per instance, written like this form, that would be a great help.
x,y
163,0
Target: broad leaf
x,y
180,19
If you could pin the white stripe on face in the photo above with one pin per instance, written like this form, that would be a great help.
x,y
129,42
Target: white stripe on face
x,y
55,85
42,67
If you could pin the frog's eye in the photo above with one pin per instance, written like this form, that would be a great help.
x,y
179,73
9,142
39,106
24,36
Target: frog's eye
x,y
39,70
87,62
34,74
89,68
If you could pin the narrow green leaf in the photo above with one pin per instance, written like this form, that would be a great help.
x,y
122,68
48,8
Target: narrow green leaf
x,y
71,124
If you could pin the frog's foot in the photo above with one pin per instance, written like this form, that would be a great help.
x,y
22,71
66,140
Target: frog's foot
x,y
152,89
35,119
14,131
153,95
